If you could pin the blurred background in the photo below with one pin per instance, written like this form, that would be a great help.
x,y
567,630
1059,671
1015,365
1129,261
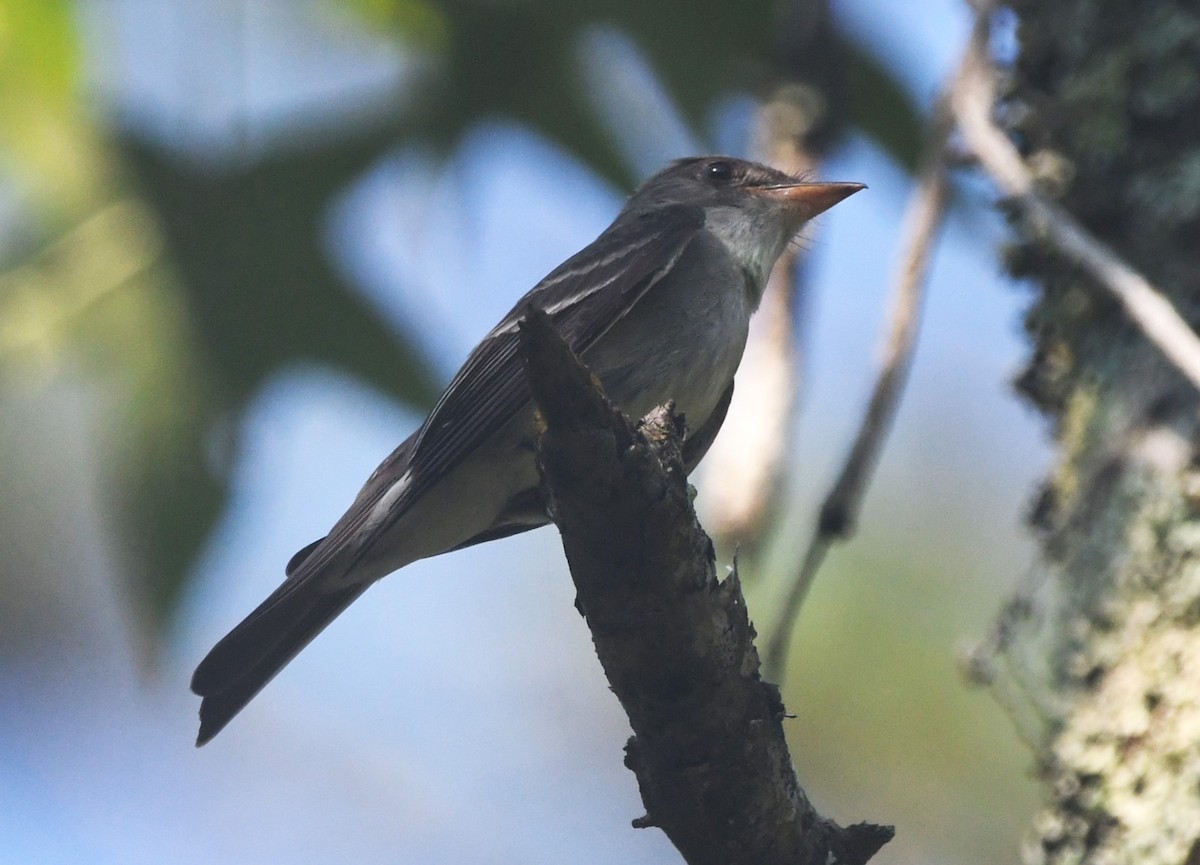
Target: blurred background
x,y
242,245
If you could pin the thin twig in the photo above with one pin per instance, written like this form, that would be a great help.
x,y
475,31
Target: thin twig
x,y
971,99
839,512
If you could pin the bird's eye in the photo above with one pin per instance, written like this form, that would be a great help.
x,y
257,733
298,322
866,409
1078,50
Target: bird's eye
x,y
719,171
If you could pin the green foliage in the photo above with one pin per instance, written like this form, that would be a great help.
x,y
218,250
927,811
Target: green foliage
x,y
419,22
520,60
261,292
258,295
46,144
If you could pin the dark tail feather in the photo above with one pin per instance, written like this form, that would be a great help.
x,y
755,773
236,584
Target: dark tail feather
x,y
252,654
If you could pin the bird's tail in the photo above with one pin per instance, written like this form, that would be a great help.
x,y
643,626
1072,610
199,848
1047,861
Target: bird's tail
x,y
242,663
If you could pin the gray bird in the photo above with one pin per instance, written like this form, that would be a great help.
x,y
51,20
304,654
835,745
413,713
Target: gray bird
x,y
657,306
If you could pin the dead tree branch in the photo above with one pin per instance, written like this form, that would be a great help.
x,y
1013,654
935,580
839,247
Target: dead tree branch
x,y
676,644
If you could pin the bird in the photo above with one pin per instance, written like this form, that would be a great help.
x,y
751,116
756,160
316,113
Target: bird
x,y
658,308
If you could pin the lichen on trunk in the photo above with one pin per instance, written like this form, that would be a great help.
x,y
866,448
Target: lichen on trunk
x,y
1104,99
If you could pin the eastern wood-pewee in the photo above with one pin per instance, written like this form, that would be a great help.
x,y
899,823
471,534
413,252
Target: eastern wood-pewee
x,y
657,306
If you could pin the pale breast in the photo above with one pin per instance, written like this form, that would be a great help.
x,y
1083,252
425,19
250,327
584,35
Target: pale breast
x,y
684,339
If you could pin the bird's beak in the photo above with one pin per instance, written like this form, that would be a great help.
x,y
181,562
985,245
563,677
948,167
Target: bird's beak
x,y
810,198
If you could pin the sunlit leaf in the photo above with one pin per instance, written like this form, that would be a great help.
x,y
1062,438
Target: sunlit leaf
x,y
45,139
420,22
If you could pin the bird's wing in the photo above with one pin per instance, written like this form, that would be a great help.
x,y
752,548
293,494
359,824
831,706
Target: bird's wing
x,y
584,297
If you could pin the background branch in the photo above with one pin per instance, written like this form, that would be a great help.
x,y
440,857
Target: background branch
x,y
972,99
839,511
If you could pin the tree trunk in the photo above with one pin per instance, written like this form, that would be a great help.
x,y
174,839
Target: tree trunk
x,y
1105,101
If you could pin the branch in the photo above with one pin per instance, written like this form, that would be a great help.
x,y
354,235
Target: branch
x,y
972,99
839,512
675,643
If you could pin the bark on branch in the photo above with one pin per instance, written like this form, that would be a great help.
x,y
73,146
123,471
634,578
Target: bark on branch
x,y
676,644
